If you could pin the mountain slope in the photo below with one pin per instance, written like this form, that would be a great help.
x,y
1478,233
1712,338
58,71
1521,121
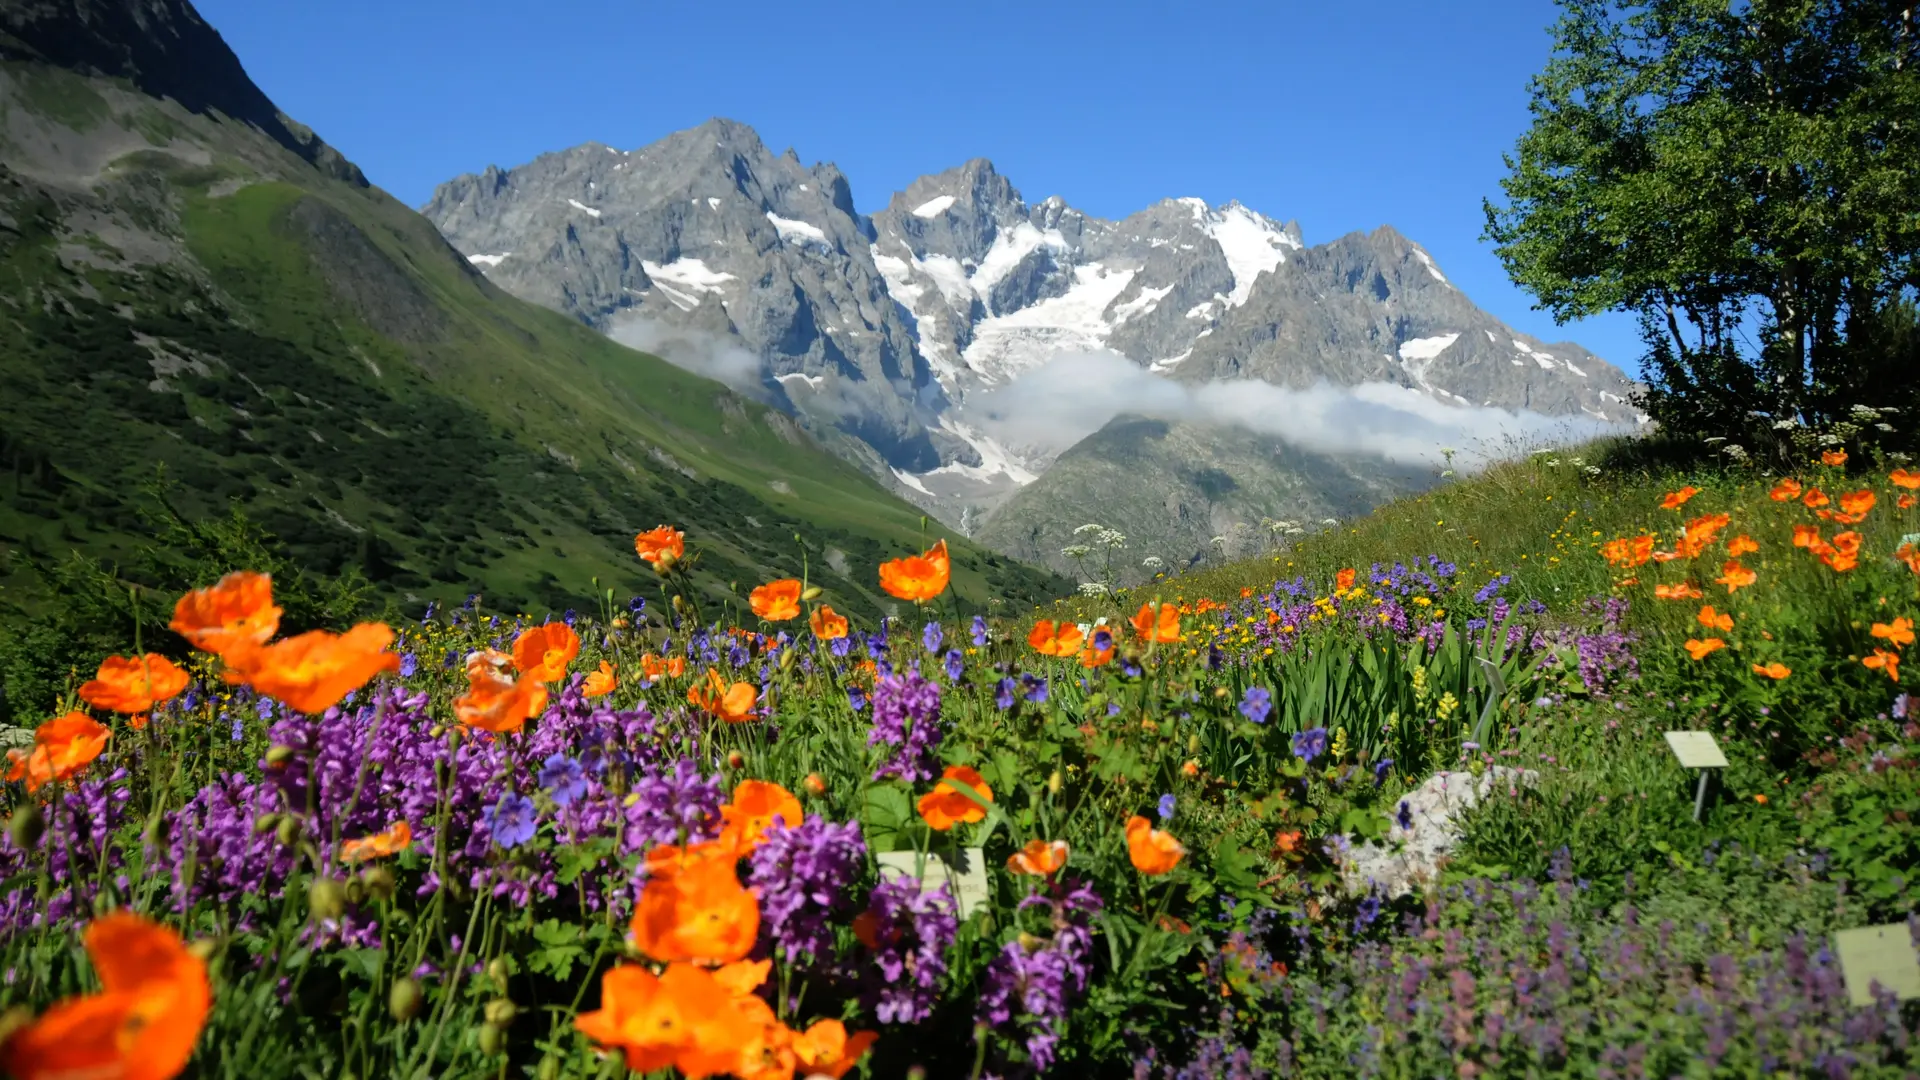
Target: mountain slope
x,y
197,282
1172,487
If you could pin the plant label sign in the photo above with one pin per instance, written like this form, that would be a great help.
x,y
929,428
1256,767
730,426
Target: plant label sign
x,y
964,874
1878,954
1696,749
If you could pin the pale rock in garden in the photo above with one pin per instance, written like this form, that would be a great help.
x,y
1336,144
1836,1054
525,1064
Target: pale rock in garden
x,y
1412,858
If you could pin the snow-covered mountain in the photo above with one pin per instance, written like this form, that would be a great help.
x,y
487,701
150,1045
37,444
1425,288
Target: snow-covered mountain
x,y
885,334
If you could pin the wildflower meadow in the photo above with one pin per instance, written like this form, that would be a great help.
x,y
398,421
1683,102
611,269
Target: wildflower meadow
x,y
1186,829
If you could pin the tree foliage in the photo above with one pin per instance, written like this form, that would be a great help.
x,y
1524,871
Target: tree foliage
x,y
1745,177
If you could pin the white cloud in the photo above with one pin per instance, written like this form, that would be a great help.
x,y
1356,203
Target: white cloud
x,y
696,351
1051,407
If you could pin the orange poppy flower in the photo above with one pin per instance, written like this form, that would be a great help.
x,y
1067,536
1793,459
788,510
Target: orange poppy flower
x,y
1775,670
1882,660
1906,502
1786,490
1897,633
1742,545
498,704
1909,554
397,838
543,653
1628,552
768,1052
1905,478
1343,580
1806,536
734,704
661,542
701,915
1855,504
668,860
1843,553
1833,457
62,749
142,1025
1735,577
1682,591
600,683
485,662
1040,858
1699,649
133,686
825,1049
828,624
918,577
680,1018
1677,499
1166,629
236,613
654,667
751,812
776,601
1152,851
313,671
1714,620
1814,497
1091,657
1699,534
944,806
1055,639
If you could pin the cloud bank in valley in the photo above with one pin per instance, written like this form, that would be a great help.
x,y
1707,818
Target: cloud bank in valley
x,y
716,358
1051,407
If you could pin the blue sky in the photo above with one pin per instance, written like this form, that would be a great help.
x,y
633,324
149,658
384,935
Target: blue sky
x,y
1342,116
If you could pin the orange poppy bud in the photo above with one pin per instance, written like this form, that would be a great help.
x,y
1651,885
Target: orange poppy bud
x,y
918,577
815,784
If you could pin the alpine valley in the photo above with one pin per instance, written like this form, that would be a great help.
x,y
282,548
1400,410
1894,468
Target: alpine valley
x,y
925,342
191,280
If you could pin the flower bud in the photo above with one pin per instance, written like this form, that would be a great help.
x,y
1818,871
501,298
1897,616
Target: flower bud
x,y
14,1019
265,823
1054,782
278,756
1219,691
1193,743
500,1012
326,899
811,592
406,998
287,831
630,800
103,902
379,882
436,731
492,1039
663,566
356,891
549,1069
787,658
815,785
27,826
1191,768
202,949
735,760
1030,943
497,970
917,1072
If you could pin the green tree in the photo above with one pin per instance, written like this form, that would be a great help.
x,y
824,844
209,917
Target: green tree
x,y
1744,176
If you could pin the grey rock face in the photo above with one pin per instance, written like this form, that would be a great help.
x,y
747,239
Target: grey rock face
x,y
888,330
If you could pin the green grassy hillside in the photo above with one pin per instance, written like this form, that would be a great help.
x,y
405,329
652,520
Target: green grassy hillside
x,y
312,351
